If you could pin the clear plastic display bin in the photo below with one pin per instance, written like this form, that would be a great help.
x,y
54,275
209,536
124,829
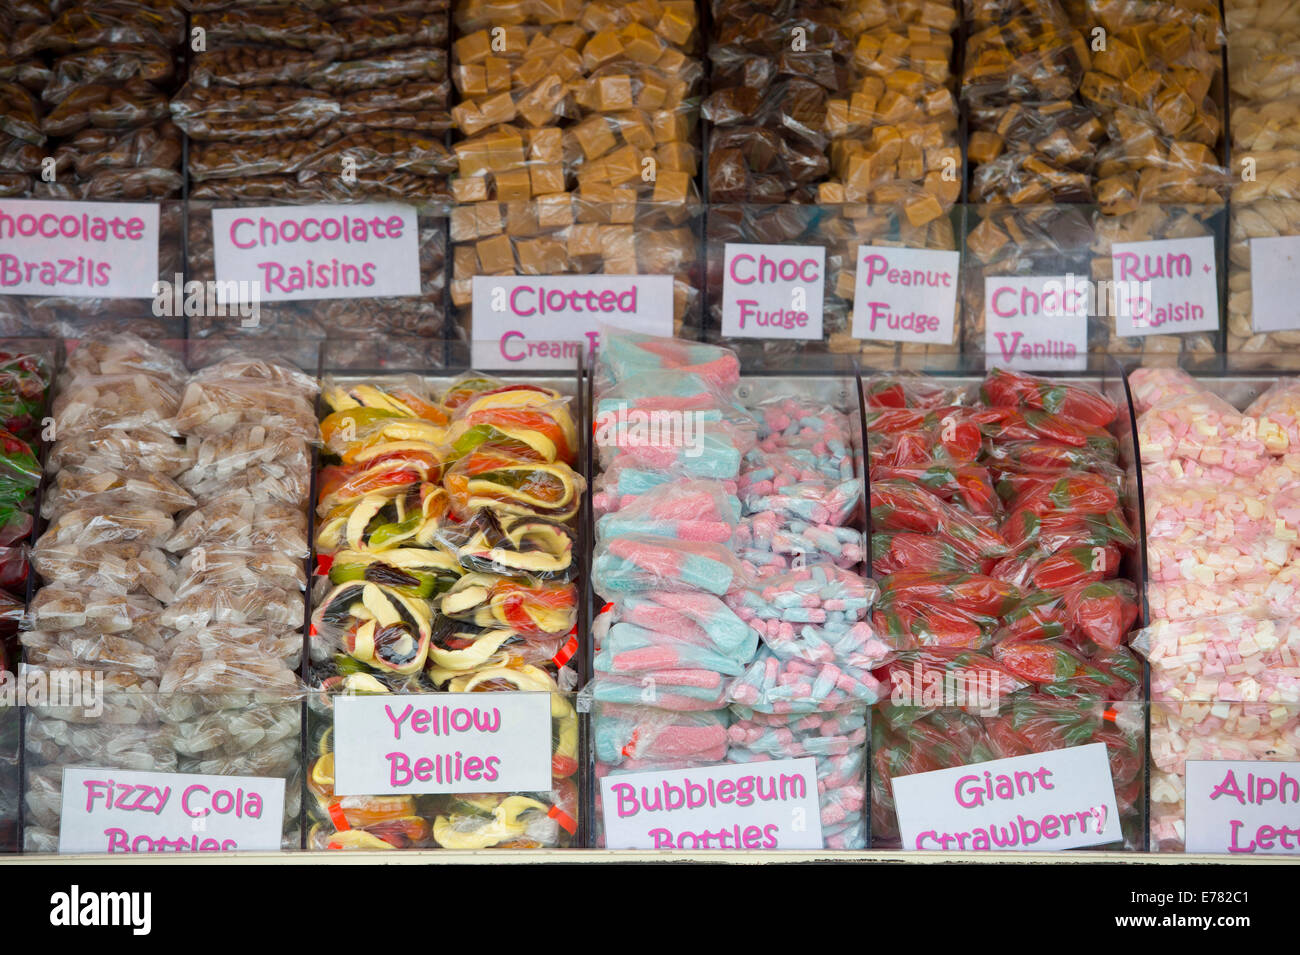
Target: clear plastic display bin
x,y
694,666
475,591
1022,635
171,567
1219,477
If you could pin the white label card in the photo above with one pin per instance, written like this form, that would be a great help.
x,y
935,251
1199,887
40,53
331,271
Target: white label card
x,y
442,743
118,810
773,291
1242,807
78,249
1036,322
1274,291
300,253
760,805
1060,799
1165,286
546,321
905,295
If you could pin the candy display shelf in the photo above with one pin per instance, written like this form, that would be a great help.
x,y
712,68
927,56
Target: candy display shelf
x,y
507,857
847,398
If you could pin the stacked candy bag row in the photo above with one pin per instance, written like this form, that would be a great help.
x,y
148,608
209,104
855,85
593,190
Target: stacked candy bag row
x,y
579,146
318,101
446,547
172,564
734,627
848,108
86,84
1222,491
829,104
1158,172
1153,86
670,435
998,533
1032,138
806,692
1263,64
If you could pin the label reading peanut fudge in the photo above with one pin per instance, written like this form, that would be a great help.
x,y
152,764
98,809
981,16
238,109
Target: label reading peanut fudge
x,y
1274,292
1164,287
1243,808
546,321
442,743
1036,322
118,810
78,249
1060,799
300,253
773,291
905,295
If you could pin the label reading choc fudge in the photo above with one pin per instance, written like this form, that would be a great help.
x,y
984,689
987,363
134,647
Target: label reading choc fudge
x,y
1243,808
1179,283
768,804
118,810
544,321
905,295
773,291
1036,322
1061,799
442,743
78,249
299,253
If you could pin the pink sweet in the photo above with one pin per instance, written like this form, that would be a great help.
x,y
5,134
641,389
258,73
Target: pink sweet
x,y
1202,428
1240,657
1152,385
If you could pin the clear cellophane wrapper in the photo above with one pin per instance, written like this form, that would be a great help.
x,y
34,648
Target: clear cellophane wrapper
x,y
1032,138
864,114
98,81
578,144
282,98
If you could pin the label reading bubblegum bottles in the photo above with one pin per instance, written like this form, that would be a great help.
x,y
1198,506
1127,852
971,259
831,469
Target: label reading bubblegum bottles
x,y
773,291
1036,323
117,810
545,321
905,295
1061,799
78,249
1243,808
1182,282
298,253
768,804
442,743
